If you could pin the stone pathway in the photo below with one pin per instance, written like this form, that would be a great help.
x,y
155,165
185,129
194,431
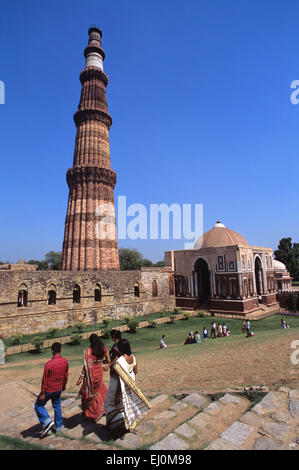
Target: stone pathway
x,y
182,421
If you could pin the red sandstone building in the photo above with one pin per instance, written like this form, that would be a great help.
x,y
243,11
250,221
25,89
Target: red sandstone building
x,y
90,240
90,285
224,274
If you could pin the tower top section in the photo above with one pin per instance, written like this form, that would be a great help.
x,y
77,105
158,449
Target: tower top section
x,y
93,53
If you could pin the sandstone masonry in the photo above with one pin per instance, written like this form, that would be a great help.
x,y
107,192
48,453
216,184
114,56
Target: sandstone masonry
x,y
58,299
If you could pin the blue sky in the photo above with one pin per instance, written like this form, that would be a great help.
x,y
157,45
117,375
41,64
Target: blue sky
x,y
199,92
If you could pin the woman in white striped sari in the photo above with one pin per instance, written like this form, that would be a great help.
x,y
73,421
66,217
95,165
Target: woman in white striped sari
x,y
124,401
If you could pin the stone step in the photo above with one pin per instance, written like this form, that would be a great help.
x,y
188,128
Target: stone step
x,y
183,421
269,425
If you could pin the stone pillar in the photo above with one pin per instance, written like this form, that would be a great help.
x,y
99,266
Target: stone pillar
x,y
90,239
196,283
192,285
2,353
211,284
240,285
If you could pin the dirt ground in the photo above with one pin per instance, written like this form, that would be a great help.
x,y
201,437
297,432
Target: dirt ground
x,y
239,364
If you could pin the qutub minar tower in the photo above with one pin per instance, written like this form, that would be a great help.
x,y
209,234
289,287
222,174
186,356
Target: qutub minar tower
x,y
90,239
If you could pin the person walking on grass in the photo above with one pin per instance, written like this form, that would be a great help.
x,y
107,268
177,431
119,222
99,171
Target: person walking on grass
x,y
54,381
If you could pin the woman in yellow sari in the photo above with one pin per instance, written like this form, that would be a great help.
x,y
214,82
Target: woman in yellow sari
x,y
124,400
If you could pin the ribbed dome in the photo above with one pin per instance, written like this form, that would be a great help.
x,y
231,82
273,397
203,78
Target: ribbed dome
x,y
279,266
219,235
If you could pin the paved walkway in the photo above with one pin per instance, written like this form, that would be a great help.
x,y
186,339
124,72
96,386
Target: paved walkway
x,y
180,421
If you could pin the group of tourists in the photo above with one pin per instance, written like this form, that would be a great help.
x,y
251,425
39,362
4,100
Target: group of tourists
x,y
192,338
121,403
247,328
218,330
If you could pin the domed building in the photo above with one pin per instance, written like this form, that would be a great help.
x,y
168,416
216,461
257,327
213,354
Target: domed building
x,y
283,279
224,274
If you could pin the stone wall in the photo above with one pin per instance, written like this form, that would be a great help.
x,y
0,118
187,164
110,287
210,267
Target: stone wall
x,y
283,297
118,297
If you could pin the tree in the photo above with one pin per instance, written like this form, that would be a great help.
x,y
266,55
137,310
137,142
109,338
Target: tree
x,y
296,252
160,264
147,263
54,260
129,259
288,254
41,265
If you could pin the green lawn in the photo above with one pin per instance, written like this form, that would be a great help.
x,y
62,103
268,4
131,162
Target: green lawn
x,y
60,333
147,339
10,443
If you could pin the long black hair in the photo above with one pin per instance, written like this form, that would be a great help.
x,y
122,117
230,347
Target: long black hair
x,y
97,346
124,347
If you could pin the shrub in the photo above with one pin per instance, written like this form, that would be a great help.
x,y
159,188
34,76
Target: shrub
x,y
51,332
171,319
106,322
79,327
37,343
75,339
187,315
106,333
152,324
127,319
163,313
133,324
177,310
201,314
16,339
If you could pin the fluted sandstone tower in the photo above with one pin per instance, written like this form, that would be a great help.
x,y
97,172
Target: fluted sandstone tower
x,y
90,240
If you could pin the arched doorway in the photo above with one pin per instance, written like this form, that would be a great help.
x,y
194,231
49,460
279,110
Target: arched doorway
x,y
137,290
52,295
98,293
258,270
203,281
76,294
154,289
22,296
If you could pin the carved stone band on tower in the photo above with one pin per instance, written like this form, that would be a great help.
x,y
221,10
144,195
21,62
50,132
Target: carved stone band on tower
x,y
90,239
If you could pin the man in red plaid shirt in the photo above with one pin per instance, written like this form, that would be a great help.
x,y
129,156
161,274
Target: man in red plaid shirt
x,y
53,383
